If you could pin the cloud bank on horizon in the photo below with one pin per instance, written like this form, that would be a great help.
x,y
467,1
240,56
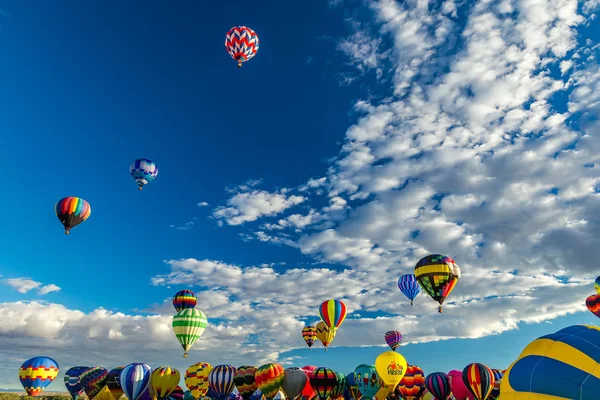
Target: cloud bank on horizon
x,y
485,149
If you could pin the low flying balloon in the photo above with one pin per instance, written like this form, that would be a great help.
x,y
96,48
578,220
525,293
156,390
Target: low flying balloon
x,y
72,382
597,285
245,381
498,375
333,313
367,380
189,324
104,394
176,394
37,373
593,304
393,339
184,299
294,381
438,385
325,334
135,379
222,380
163,381
479,379
352,386
323,381
241,43
309,334
196,379
340,386
457,386
437,275
409,286
113,382
269,378
412,385
560,366
390,367
143,171
308,393
72,211
93,380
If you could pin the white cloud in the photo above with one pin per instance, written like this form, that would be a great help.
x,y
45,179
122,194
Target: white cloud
x,y
25,285
48,289
202,204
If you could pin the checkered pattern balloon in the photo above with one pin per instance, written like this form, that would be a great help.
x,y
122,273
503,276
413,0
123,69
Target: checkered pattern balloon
x,y
143,171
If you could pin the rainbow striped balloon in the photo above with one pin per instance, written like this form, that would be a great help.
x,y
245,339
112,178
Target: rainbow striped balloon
x,y
479,380
71,211
184,299
412,385
333,313
269,378
222,380
324,381
37,373
245,380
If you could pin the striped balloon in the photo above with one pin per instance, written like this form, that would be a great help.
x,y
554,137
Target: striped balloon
x,y
143,171
412,385
309,334
242,43
593,304
163,381
37,373
72,382
269,378
184,299
245,381
333,313
189,324
196,379
324,381
438,385
562,365
409,286
222,380
479,380
597,285
338,390
93,380
72,211
438,275
113,382
176,394
393,339
497,380
135,379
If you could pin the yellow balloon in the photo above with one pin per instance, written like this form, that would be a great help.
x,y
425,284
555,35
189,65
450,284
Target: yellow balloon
x,y
391,368
163,381
196,379
104,394
325,334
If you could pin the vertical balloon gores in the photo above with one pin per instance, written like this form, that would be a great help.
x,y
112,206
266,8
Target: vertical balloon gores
x,y
189,324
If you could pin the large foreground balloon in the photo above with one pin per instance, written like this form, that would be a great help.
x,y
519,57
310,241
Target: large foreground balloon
x,y
412,385
222,380
72,211
323,381
163,381
437,275
309,334
113,382
72,382
367,380
438,385
135,379
393,339
479,379
333,313
241,43
390,367
37,373
325,334
189,324
196,379
143,171
245,381
457,386
184,299
409,286
593,304
563,365
269,378
294,381
93,380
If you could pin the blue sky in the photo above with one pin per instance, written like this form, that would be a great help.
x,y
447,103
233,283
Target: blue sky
x,y
360,138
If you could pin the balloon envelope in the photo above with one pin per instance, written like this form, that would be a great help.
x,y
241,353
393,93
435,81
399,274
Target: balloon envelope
x,y
333,313
597,285
479,379
93,380
245,381
438,275
323,381
72,382
593,304
222,380
72,211
143,171
241,43
269,378
135,379
113,382
367,380
309,334
438,384
412,385
459,390
391,368
409,286
393,339
189,324
37,373
184,299
196,379
163,381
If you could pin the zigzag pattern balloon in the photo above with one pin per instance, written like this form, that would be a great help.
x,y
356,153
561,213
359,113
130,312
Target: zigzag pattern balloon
x,y
242,43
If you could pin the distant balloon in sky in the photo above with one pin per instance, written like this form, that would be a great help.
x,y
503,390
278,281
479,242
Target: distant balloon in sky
x,y
71,211
309,334
438,275
184,299
189,324
409,286
242,44
597,285
143,171
333,313
37,373
393,339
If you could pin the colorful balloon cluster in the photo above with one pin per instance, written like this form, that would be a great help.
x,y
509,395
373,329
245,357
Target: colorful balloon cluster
x,y
332,313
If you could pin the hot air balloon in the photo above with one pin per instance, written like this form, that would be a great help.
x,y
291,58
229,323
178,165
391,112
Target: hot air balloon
x,y
257,395
597,285
390,367
457,386
104,394
409,286
479,379
37,373
176,394
72,382
242,44
309,334
135,379
294,381
163,381
196,379
113,384
593,304
439,385
560,366
497,380
222,380
323,381
187,395
189,324
412,385
71,211
184,299
325,334
437,275
338,390
393,339
93,380
333,313
269,378
352,386
143,171
308,393
367,380
245,382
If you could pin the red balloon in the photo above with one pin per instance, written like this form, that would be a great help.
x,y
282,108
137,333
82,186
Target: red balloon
x,y
308,393
593,304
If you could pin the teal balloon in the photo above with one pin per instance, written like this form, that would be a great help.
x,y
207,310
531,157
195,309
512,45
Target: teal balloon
x,y
187,395
367,380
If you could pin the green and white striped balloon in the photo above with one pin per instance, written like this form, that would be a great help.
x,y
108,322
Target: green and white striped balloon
x,y
189,324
